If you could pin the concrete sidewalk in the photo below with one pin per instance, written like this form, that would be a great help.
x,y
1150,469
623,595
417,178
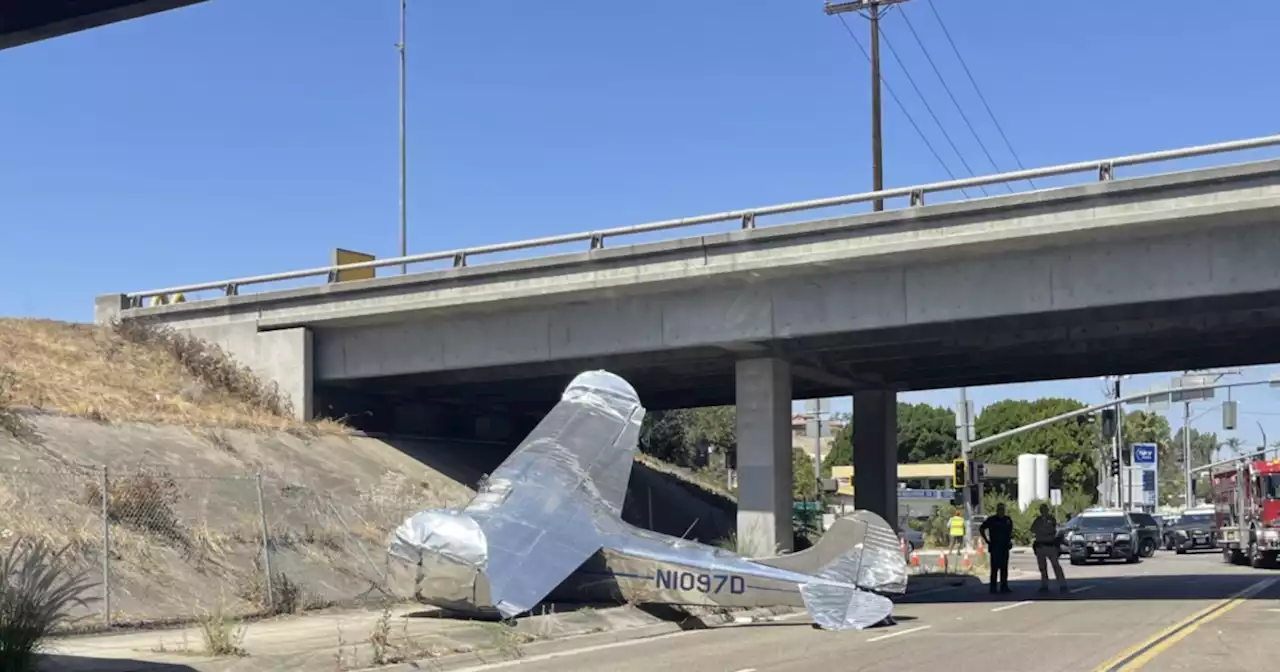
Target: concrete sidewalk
x,y
336,640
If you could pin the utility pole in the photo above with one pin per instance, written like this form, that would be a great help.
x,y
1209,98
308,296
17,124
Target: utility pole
x,y
873,17
404,247
966,423
1186,451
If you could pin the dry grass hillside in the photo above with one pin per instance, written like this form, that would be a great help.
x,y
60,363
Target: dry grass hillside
x,y
203,461
134,374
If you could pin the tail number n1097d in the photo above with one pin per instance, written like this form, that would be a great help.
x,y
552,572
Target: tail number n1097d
x,y
705,583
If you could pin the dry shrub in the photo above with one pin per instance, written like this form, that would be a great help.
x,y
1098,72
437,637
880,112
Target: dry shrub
x,y
208,363
11,421
223,635
144,502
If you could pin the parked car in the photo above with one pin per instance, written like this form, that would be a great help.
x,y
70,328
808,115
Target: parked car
x,y
1111,534
912,540
1196,529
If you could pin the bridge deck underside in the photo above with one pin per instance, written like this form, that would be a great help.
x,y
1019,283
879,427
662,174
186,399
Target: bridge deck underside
x,y
25,21
1236,331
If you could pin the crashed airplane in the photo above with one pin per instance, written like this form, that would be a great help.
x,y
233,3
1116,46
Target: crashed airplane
x,y
548,519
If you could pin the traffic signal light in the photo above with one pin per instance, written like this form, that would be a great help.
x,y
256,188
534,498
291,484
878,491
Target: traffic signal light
x,y
1115,466
1228,414
959,477
975,495
957,497
1108,423
979,472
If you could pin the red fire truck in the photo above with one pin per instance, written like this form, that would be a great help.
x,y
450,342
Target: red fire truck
x,y
1246,498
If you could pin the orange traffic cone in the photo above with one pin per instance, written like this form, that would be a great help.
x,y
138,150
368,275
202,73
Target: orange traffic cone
x,y
915,559
979,547
964,561
942,561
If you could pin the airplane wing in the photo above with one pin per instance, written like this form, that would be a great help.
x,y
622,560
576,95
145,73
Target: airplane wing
x,y
542,508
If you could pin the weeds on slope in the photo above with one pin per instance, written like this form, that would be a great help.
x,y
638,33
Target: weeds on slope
x,y
207,363
11,421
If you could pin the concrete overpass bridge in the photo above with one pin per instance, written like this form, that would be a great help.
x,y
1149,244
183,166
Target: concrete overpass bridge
x,y
26,21
1154,273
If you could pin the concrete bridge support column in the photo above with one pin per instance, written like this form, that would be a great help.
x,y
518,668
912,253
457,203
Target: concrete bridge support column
x,y
763,397
875,453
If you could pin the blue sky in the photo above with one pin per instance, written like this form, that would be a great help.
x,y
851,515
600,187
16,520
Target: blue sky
x,y
242,137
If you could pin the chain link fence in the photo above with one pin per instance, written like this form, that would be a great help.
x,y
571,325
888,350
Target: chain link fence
x,y
163,547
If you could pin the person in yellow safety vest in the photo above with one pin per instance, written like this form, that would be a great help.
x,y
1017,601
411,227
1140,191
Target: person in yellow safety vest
x,y
956,528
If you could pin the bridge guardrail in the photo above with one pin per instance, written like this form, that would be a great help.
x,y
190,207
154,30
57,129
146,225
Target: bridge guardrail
x,y
1105,169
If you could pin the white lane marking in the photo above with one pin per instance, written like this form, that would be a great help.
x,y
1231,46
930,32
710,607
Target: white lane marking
x,y
1081,589
575,652
899,633
747,669
1015,605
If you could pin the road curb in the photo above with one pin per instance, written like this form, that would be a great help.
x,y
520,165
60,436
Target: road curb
x,y
552,646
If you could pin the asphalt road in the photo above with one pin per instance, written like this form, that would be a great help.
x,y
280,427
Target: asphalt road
x,y
1167,613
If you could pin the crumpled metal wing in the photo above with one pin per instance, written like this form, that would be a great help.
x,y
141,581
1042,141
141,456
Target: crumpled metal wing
x,y
542,510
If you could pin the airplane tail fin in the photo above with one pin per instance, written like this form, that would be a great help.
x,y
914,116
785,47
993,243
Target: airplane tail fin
x,y
859,553
834,606
872,557
859,549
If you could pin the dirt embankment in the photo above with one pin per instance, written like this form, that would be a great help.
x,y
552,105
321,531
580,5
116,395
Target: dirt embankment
x,y
199,462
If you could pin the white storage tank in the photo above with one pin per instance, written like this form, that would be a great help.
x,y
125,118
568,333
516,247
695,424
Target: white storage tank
x,y
1042,477
1026,480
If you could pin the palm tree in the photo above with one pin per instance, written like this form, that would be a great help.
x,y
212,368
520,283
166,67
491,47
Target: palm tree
x,y
1232,444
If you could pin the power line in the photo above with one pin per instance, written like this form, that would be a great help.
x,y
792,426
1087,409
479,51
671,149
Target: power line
x,y
888,89
929,108
952,96
974,82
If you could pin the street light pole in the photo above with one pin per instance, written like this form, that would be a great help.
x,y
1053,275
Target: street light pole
x,y
404,247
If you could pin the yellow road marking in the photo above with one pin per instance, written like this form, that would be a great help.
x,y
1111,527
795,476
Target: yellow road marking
x,y
1138,656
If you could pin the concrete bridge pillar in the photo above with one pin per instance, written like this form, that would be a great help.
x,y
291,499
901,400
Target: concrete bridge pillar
x,y
875,453
763,398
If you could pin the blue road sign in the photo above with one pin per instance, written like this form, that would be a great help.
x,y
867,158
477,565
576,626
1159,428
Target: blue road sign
x,y
1148,481
1144,453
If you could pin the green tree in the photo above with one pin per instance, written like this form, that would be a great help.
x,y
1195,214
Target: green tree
x,y
713,426
664,435
804,484
681,436
925,434
1147,427
1073,445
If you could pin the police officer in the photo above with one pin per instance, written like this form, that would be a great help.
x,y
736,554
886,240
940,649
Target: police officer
x,y
1045,531
997,531
956,527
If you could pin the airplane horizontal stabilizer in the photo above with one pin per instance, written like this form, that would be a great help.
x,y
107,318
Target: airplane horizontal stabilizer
x,y
843,607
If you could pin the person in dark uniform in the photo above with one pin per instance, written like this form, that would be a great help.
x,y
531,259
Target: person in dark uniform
x,y
997,531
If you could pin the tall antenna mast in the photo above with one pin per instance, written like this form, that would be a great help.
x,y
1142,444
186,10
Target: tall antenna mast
x,y
403,228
